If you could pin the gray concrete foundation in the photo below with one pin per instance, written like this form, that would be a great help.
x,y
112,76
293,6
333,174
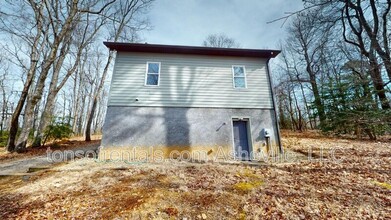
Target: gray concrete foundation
x,y
183,127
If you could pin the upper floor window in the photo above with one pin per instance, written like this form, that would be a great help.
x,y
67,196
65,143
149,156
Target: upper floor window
x,y
239,76
153,74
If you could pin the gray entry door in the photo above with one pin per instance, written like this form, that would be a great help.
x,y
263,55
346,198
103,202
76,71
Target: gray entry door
x,y
242,150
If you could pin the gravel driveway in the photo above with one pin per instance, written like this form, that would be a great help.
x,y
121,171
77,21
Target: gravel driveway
x,y
23,166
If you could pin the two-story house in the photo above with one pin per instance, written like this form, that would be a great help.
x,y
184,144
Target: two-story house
x,y
175,99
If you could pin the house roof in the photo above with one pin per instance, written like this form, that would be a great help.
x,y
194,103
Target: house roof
x,y
175,49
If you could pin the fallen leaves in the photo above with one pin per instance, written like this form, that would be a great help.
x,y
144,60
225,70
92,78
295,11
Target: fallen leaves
x,y
171,211
354,186
39,151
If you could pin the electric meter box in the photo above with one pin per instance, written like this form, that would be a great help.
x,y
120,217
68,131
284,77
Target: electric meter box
x,y
266,132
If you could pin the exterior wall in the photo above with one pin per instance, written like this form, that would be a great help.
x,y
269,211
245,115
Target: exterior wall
x,y
182,128
189,81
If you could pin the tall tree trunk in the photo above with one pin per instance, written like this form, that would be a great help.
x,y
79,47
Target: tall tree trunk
x,y
29,109
54,89
4,108
75,103
46,118
98,115
380,22
97,92
283,122
80,122
125,16
79,106
62,37
291,112
318,100
299,114
306,106
34,57
314,85
14,124
377,80
27,124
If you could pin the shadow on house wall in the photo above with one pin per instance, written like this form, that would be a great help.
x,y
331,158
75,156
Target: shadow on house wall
x,y
176,120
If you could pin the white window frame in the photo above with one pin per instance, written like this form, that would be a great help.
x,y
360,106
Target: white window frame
x,y
146,74
233,76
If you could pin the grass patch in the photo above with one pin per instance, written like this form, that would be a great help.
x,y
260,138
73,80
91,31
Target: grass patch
x,y
251,180
247,186
384,185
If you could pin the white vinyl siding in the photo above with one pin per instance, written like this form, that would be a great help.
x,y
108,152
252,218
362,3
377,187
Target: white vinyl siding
x,y
189,81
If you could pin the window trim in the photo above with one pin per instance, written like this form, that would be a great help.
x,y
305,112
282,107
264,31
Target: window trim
x,y
146,74
233,76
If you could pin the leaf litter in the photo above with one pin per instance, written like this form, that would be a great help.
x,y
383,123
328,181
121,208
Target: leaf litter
x,y
343,178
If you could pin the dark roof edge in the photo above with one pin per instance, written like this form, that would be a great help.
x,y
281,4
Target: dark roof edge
x,y
176,49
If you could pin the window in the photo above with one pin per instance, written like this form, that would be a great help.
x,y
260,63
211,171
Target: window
x,y
239,76
153,74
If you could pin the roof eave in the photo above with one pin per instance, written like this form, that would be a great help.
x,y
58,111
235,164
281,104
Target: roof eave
x,y
191,50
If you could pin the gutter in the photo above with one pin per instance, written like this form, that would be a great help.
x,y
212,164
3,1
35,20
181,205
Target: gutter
x,y
274,107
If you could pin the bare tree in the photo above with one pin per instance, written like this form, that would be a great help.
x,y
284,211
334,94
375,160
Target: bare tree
x,y
358,28
309,41
61,27
365,25
49,25
125,26
50,43
333,59
6,93
79,93
83,36
34,42
220,40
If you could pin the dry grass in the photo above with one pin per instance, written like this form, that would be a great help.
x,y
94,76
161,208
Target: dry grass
x,y
354,186
74,142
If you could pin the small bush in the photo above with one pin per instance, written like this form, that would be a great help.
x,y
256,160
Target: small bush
x,y
58,130
3,138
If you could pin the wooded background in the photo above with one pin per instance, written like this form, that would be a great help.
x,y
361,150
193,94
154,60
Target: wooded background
x,y
54,65
334,72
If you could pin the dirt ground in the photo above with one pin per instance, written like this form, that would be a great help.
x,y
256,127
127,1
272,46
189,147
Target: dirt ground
x,y
74,142
338,178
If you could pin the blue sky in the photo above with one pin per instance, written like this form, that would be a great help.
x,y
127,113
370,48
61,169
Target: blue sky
x,y
188,22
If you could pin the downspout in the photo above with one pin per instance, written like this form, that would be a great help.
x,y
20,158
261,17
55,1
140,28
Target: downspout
x,y
274,107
